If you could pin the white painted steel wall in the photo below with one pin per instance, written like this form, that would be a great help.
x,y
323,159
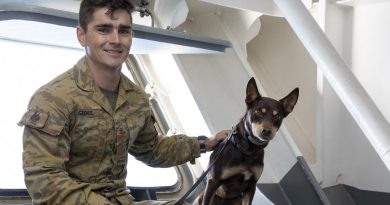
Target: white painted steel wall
x,y
218,83
343,153
360,34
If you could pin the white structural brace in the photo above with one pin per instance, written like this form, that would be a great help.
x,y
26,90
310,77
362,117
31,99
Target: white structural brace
x,y
352,94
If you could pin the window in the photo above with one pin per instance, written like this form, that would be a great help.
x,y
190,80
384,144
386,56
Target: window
x,y
25,67
27,63
174,96
30,57
166,85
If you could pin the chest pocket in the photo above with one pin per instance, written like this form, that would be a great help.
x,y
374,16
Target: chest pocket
x,y
121,147
88,133
126,134
42,121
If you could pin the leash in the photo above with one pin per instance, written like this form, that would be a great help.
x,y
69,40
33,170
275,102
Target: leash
x,y
200,179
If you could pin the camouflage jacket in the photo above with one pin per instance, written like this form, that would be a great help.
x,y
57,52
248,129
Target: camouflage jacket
x,y
75,146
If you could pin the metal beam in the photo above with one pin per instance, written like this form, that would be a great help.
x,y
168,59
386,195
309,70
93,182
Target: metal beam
x,y
146,39
348,88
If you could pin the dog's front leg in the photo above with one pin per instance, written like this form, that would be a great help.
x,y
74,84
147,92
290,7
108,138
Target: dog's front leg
x,y
211,187
247,198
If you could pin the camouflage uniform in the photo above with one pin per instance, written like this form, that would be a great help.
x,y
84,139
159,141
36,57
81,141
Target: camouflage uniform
x,y
75,146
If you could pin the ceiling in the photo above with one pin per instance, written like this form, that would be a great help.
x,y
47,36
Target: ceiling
x,y
65,13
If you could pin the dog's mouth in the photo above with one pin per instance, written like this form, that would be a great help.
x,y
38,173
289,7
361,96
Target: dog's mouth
x,y
261,134
258,134
256,140
266,135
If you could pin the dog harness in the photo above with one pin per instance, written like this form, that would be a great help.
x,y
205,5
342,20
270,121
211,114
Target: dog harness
x,y
239,143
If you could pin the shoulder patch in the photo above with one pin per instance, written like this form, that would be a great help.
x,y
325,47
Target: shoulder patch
x,y
34,118
42,121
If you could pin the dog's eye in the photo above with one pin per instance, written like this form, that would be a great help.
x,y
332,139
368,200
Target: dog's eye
x,y
277,117
258,113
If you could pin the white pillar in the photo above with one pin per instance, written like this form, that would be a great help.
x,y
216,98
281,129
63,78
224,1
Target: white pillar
x,y
352,94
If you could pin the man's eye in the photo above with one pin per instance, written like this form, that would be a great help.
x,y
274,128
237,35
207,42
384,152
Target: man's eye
x,y
125,31
103,30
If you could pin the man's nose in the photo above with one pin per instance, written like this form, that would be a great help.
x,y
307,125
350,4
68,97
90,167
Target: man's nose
x,y
114,37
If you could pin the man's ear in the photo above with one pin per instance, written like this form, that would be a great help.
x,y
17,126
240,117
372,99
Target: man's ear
x,y
81,35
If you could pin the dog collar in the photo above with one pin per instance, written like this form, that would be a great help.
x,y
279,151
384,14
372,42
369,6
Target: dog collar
x,y
256,140
241,145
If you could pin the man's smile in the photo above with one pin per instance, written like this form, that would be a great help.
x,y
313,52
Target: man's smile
x,y
113,52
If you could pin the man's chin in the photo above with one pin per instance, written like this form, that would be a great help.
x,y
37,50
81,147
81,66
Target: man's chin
x,y
117,63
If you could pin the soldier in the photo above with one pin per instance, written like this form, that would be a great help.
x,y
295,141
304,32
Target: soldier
x,y
80,127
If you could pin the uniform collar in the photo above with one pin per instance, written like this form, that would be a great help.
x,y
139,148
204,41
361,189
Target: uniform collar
x,y
85,81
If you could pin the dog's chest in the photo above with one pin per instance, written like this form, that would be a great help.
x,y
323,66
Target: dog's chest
x,y
247,172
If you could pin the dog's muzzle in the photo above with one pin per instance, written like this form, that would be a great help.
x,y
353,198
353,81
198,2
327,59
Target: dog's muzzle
x,y
252,138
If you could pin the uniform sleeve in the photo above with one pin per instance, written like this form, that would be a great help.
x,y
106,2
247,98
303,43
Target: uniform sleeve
x,y
46,146
162,151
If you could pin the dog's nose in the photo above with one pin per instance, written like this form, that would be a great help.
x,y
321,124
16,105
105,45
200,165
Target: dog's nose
x,y
266,132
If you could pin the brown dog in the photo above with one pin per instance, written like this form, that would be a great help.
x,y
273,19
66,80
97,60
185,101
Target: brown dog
x,y
233,177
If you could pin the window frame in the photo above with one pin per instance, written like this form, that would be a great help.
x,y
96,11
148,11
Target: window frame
x,y
20,193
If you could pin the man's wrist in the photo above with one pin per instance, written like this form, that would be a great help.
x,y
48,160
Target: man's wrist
x,y
202,143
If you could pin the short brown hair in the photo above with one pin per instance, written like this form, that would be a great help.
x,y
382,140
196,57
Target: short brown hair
x,y
88,7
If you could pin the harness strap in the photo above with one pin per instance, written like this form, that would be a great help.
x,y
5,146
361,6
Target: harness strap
x,y
243,148
200,179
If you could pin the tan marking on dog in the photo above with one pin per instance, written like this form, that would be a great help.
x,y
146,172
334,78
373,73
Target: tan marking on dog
x,y
275,112
247,175
256,129
220,192
245,199
229,172
264,110
257,170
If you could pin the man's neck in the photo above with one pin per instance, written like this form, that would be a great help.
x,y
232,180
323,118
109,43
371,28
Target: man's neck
x,y
106,78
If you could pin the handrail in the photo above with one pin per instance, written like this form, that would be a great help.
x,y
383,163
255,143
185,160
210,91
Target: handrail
x,y
351,92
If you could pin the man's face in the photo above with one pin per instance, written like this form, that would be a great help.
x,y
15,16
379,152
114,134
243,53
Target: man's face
x,y
108,38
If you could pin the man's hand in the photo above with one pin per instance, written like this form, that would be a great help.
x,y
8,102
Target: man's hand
x,y
213,141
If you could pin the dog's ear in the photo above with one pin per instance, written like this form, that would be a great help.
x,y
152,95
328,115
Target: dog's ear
x,y
289,101
251,92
